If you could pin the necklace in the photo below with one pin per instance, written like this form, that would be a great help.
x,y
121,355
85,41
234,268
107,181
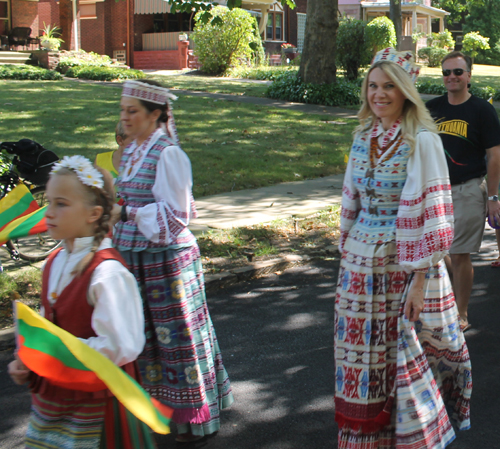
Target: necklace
x,y
376,152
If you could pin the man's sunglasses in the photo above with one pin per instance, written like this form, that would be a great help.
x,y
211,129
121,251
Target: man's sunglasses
x,y
456,72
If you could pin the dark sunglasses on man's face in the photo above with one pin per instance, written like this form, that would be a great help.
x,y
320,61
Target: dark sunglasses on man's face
x,y
456,72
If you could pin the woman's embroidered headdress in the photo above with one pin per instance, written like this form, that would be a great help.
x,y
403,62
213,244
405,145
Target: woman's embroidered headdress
x,y
83,168
402,58
147,92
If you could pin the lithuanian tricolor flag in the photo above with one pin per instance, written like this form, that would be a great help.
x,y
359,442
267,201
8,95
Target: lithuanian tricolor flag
x,y
62,358
20,215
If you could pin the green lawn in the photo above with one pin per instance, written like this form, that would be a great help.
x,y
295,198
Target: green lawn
x,y
212,84
232,146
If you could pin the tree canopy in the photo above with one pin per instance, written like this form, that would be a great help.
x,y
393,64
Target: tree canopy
x,y
485,19
205,6
458,9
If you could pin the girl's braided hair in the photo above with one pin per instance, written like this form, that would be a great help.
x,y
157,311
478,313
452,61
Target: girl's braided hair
x,y
104,197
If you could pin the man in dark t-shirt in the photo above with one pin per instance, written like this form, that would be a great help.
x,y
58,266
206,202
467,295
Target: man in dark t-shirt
x,y
470,131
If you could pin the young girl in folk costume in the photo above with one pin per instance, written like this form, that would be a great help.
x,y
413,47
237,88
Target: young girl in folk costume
x,y
400,355
110,160
181,365
88,291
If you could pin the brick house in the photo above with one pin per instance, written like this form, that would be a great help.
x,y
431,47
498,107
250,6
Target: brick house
x,y
418,16
143,33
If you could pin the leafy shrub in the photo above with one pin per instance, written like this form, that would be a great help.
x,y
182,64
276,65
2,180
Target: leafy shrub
x,y
432,55
352,52
259,73
233,42
69,59
380,34
103,73
483,92
27,72
473,41
428,87
444,39
290,87
439,89
489,57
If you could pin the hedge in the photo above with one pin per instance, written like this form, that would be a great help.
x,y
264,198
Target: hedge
x,y
290,87
103,73
27,72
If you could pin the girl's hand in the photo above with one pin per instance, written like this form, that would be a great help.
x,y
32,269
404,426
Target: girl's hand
x,y
18,371
415,299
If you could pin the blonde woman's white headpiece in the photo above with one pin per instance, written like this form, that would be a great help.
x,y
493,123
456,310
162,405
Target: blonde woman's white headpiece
x,y
83,168
404,59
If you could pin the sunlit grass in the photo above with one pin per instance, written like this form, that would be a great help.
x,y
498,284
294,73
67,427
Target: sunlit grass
x,y
232,145
212,84
25,286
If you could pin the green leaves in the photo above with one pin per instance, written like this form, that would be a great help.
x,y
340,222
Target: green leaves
x,y
380,34
27,72
230,39
473,41
206,16
289,87
103,73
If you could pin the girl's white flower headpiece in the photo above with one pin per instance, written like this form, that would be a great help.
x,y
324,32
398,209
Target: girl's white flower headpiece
x,y
83,168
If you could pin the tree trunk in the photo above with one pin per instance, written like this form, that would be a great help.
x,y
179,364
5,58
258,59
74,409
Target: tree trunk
x,y
395,16
66,23
317,63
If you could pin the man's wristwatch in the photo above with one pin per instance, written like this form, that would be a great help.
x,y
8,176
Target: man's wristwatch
x,y
493,198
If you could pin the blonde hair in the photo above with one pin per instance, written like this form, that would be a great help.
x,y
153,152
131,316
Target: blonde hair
x,y
94,196
120,130
415,114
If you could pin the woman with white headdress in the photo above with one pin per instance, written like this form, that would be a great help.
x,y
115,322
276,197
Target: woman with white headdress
x,y
401,358
181,365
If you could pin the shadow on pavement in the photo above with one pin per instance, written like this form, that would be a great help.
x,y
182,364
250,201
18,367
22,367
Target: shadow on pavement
x,y
276,336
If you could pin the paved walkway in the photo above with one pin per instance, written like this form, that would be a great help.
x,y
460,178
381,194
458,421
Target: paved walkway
x,y
250,207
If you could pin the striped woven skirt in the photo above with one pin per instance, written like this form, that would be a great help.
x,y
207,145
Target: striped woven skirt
x,y
398,383
65,424
181,364
81,424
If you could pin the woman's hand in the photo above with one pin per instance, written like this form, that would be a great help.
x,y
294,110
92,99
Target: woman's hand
x,y
18,371
415,299
116,213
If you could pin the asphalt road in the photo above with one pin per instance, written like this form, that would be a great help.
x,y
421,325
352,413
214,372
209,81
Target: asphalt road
x,y
276,337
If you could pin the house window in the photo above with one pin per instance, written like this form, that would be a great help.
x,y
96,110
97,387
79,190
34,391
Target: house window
x,y
301,31
88,11
4,17
274,28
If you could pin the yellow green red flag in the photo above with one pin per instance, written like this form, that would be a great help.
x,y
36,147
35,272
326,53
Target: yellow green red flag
x,y
66,361
30,224
20,214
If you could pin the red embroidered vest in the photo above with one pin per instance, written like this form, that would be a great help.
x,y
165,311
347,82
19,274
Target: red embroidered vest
x,y
73,313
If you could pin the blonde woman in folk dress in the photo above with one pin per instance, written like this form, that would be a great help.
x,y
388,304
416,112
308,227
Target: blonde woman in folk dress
x,y
182,364
402,365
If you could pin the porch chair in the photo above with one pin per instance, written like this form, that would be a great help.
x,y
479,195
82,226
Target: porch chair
x,y
19,36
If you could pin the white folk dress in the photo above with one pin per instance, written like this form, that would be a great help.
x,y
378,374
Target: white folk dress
x,y
395,378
